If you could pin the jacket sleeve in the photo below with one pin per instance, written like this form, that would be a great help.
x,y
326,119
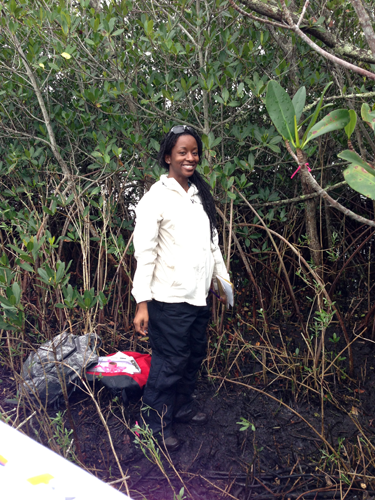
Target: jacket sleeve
x,y
146,235
219,266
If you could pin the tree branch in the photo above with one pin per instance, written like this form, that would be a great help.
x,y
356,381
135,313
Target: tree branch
x,y
303,13
298,198
47,122
334,97
315,186
321,51
271,10
255,18
312,182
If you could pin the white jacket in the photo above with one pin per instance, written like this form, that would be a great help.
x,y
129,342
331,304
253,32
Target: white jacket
x,y
176,258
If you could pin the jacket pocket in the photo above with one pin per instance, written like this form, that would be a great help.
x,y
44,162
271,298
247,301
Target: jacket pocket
x,y
164,272
186,278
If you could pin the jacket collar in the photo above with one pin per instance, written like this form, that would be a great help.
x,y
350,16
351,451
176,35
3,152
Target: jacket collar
x,y
172,184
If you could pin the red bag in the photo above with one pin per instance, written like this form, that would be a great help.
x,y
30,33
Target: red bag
x,y
124,373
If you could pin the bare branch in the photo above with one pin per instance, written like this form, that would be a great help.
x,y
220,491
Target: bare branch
x,y
321,51
255,18
271,10
334,97
303,13
47,122
301,198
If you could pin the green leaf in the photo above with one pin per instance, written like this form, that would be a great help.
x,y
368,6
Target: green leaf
x,y
96,190
54,66
44,276
12,6
60,271
155,144
16,289
54,205
6,304
184,85
69,199
205,141
356,160
27,258
281,109
349,129
26,267
47,210
360,180
359,175
335,120
5,326
298,101
149,26
117,32
316,113
368,116
273,148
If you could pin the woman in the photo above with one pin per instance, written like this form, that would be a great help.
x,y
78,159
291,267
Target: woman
x,y
177,252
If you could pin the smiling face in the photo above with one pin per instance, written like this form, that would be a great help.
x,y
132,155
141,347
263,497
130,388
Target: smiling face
x,y
183,159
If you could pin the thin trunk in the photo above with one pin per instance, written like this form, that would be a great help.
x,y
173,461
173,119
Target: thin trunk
x,y
365,22
327,212
310,216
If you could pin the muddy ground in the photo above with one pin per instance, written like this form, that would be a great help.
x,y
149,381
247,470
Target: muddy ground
x,y
282,458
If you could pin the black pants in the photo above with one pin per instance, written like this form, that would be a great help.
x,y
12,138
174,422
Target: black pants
x,y
178,340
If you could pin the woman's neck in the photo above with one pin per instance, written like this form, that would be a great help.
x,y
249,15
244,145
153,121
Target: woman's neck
x,y
184,183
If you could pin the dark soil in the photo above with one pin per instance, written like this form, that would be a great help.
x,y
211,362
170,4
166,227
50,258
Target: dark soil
x,y
282,458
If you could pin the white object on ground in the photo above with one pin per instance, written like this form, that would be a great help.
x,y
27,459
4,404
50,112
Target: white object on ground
x,y
118,362
30,471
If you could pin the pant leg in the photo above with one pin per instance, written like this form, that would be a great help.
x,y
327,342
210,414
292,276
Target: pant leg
x,y
169,330
198,350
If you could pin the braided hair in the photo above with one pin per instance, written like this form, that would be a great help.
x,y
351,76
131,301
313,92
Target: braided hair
x,y
203,187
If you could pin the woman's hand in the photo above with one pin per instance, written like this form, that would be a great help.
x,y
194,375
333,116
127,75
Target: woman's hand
x,y
141,319
223,298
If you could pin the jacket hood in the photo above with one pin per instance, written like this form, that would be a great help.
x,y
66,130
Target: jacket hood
x,y
172,184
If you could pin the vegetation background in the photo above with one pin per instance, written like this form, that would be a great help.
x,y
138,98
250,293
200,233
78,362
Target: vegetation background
x,y
88,89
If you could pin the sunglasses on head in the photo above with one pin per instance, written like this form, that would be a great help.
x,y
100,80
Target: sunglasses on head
x,y
179,129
